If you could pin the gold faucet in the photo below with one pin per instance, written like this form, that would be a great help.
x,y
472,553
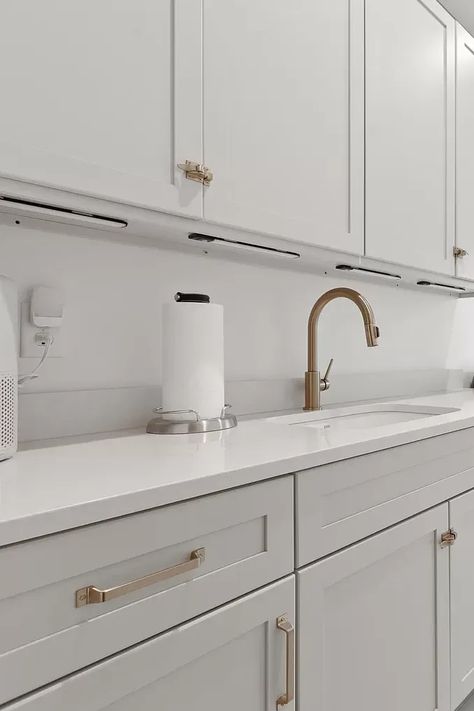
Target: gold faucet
x,y
314,385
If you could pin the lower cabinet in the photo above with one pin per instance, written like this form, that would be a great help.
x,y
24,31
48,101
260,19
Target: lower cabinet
x,y
461,512
373,622
239,657
386,623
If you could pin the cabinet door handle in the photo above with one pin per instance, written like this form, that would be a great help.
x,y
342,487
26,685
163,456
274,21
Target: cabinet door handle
x,y
92,595
285,626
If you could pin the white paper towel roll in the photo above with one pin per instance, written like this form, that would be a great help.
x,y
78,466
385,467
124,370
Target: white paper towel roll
x,y
193,358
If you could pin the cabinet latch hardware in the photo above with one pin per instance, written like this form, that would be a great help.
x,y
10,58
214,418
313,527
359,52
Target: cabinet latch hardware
x,y
197,172
448,538
459,253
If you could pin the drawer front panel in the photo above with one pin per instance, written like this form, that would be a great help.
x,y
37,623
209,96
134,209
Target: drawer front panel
x,y
341,503
244,538
230,659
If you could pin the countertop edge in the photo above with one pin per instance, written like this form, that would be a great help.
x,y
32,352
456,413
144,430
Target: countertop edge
x,y
84,513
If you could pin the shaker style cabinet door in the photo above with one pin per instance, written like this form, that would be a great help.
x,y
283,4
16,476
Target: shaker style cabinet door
x,y
462,598
465,153
103,98
232,659
284,118
374,623
410,133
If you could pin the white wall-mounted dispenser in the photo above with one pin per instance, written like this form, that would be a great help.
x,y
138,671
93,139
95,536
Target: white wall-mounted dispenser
x,y
8,372
193,368
46,307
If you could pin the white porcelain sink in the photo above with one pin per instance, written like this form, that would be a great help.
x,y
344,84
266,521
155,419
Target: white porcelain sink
x,y
363,416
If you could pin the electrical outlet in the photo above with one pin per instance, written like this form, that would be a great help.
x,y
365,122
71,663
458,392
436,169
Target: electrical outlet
x,y
31,341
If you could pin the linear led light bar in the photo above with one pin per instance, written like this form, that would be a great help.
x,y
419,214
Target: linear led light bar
x,y
371,272
438,285
55,213
245,246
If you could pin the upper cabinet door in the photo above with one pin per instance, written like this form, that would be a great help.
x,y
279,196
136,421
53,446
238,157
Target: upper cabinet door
x,y
465,153
410,133
283,118
103,98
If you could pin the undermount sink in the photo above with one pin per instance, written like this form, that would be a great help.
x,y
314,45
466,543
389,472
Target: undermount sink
x,y
363,416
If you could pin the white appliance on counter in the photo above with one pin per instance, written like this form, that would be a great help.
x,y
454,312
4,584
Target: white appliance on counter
x,y
8,371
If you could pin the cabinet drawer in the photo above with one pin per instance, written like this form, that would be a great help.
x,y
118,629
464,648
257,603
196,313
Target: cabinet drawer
x,y
346,501
230,659
245,540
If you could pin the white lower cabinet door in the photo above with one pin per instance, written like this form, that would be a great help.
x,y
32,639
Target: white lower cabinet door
x,y
374,623
234,659
461,512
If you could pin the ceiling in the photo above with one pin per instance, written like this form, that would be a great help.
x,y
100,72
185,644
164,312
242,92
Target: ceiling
x,y
463,11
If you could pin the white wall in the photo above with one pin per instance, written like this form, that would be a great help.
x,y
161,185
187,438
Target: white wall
x,y
461,352
114,292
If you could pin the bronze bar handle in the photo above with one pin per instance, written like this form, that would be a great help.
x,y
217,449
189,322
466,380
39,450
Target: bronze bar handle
x,y
285,626
92,595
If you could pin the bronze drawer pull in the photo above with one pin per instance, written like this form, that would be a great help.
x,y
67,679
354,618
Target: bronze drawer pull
x,y
285,626
92,595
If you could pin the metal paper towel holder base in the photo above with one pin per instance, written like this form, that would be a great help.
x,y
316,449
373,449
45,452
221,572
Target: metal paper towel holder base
x,y
160,425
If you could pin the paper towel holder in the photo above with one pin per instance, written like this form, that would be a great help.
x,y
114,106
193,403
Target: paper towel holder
x,y
160,425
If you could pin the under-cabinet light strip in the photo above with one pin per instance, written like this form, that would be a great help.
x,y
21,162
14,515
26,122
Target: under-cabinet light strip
x,y
246,246
41,210
438,285
369,272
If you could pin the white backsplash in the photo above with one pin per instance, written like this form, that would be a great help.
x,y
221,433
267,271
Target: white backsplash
x,y
84,412
112,329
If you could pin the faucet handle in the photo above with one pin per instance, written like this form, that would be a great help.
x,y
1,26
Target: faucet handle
x,y
325,378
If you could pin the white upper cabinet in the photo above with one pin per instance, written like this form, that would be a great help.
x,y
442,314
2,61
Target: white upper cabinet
x,y
103,98
410,133
283,118
465,153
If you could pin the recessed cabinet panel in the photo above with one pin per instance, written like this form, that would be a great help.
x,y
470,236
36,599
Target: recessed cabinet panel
x,y
283,118
410,133
462,598
103,98
235,658
465,153
374,623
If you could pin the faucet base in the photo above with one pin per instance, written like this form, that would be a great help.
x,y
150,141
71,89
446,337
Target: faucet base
x,y
312,388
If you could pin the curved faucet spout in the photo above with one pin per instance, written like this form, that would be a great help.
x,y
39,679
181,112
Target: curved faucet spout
x,y
313,382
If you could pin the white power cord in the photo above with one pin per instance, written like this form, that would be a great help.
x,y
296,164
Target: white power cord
x,y
48,339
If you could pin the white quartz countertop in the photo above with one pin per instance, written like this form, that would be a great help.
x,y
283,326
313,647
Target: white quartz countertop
x,y
53,488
